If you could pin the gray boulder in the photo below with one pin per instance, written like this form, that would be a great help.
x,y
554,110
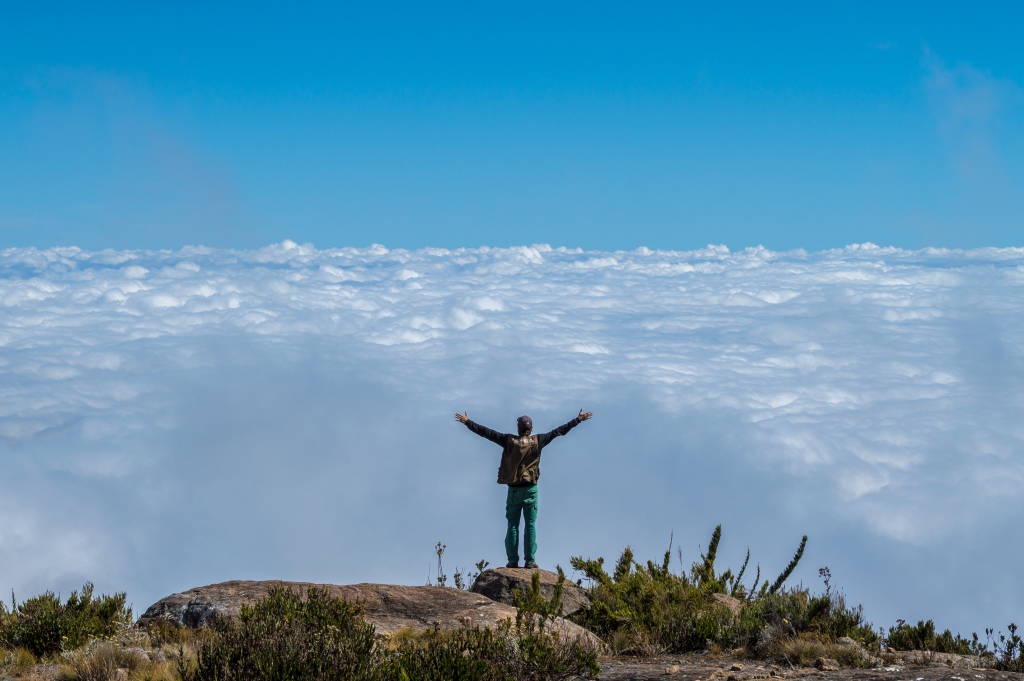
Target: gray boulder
x,y
498,584
735,605
389,607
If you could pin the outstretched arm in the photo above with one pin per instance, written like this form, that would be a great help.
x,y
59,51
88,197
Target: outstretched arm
x,y
545,438
483,431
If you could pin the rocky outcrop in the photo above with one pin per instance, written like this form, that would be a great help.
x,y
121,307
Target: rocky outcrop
x,y
735,605
389,607
498,584
826,664
862,654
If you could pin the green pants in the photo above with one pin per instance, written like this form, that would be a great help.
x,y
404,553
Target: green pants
x,y
521,501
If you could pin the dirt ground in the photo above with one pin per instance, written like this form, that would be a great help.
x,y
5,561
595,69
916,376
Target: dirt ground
x,y
704,668
707,668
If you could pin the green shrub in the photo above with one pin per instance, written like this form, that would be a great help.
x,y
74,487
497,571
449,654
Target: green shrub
x,y
1009,651
507,653
286,636
923,637
642,605
540,654
439,656
647,605
826,615
45,626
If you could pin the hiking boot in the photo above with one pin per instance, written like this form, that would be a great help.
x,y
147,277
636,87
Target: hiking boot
x,y
513,564
531,565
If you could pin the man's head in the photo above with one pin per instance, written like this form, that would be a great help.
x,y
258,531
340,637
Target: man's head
x,y
525,424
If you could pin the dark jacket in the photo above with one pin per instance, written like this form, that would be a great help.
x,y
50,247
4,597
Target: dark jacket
x,y
520,456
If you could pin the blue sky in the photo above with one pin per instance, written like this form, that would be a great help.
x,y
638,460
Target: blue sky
x,y
603,126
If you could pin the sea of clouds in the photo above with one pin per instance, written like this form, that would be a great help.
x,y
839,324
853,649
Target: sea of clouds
x,y
176,418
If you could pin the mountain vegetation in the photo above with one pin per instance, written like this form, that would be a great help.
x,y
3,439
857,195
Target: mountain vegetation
x,y
635,607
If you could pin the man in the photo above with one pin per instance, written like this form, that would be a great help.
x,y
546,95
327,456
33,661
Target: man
x,y
520,470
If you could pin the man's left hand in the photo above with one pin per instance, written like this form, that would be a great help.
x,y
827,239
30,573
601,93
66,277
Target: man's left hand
x,y
583,417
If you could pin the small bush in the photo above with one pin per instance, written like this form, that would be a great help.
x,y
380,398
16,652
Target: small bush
x,y
286,636
507,653
804,649
1009,651
643,605
826,616
923,637
540,654
45,626
436,655
649,607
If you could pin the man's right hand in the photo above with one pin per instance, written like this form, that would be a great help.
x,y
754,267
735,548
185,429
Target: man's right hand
x,y
462,418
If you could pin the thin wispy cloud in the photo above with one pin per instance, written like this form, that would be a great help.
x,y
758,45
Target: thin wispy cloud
x,y
970,107
176,417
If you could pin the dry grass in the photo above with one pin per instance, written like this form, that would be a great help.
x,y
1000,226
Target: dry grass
x,y
17,662
105,661
140,653
101,662
621,641
406,636
160,633
803,650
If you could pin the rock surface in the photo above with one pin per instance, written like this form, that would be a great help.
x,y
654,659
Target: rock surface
x,y
388,607
498,584
826,664
735,605
705,667
694,666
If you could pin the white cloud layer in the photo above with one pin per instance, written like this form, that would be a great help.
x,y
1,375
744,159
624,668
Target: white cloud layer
x,y
175,418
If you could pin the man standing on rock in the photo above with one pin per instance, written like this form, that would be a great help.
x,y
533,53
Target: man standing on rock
x,y
520,470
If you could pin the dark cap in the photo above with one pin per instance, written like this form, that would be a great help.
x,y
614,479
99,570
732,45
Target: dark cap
x,y
525,423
